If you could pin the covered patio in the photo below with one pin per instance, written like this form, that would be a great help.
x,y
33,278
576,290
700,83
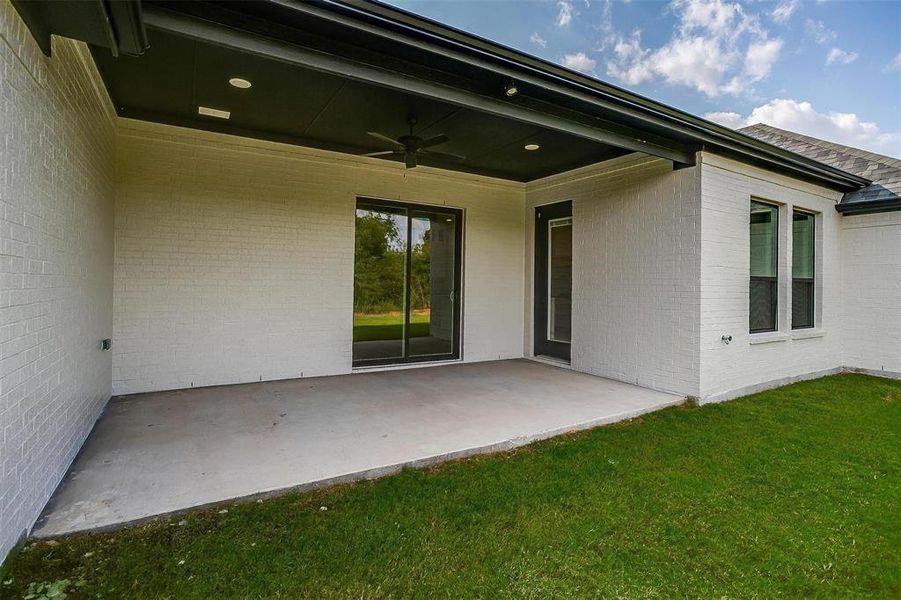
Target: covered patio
x,y
163,452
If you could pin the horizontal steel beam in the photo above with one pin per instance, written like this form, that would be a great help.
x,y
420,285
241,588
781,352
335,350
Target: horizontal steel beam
x,y
252,43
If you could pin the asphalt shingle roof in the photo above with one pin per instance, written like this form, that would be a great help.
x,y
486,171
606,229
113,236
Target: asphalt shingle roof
x,y
883,171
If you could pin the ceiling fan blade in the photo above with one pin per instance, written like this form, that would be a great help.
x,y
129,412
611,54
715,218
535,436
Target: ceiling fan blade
x,y
442,155
383,137
382,153
434,141
409,159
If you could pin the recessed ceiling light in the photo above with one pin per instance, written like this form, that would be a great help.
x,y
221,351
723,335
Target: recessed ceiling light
x,y
531,147
240,83
510,89
213,112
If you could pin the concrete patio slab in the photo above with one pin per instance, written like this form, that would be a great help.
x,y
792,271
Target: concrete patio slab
x,y
153,454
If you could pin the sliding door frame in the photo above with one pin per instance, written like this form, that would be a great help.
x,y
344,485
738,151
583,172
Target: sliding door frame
x,y
457,333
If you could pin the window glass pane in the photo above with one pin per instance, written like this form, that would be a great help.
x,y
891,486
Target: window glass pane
x,y
764,254
763,305
764,260
802,245
802,303
803,232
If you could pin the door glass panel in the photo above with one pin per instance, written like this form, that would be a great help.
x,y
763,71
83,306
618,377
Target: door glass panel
x,y
380,255
560,265
432,277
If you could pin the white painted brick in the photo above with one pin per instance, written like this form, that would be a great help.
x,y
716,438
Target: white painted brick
x,y
727,187
871,282
56,255
636,269
233,262
234,257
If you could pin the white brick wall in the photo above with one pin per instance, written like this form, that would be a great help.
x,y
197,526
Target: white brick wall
x,y
56,248
636,269
234,263
234,257
871,282
731,370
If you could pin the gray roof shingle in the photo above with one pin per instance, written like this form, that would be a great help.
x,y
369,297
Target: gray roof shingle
x,y
883,171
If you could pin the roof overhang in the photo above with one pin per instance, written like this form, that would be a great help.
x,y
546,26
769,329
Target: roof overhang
x,y
868,207
619,104
372,43
118,25
225,32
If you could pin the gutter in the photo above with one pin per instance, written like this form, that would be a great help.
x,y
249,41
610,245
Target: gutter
x,y
847,209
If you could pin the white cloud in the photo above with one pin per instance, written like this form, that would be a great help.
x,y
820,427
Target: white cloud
x,y
697,61
538,40
784,10
631,65
717,48
837,55
578,62
760,57
564,13
894,64
732,120
715,16
605,27
819,32
801,117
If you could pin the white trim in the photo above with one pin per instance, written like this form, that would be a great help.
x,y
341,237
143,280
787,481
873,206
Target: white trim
x,y
602,169
768,337
549,360
402,366
805,334
280,150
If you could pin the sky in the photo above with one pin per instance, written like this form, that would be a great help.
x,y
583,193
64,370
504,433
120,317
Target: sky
x,y
824,68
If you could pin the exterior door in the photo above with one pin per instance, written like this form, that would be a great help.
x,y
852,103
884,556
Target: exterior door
x,y
553,280
407,261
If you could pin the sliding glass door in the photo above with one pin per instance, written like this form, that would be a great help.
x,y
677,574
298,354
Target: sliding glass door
x,y
406,283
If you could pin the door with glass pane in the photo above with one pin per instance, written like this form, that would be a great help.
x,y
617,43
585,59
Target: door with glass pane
x,y
407,268
553,280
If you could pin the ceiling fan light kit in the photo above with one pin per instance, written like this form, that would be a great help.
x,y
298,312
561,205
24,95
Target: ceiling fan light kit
x,y
411,146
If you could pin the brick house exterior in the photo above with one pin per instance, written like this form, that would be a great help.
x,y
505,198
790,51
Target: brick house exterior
x,y
211,259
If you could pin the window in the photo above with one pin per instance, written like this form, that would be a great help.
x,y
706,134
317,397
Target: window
x,y
803,231
764,269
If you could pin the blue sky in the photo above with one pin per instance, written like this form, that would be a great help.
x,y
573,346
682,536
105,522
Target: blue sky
x,y
825,68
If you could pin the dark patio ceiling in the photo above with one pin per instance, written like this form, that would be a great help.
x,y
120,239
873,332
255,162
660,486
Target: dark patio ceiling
x,y
326,71
289,103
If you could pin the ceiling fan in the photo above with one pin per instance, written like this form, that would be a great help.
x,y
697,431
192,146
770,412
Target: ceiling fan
x,y
410,146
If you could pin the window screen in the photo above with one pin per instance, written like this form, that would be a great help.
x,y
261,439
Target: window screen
x,y
803,231
764,266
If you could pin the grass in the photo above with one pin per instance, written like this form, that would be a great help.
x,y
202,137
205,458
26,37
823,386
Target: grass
x,y
388,326
787,493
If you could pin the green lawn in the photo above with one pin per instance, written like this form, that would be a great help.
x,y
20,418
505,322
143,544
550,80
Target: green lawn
x,y
388,327
788,493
